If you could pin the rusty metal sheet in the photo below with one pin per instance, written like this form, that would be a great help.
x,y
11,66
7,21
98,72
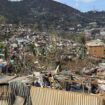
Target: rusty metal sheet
x,y
44,96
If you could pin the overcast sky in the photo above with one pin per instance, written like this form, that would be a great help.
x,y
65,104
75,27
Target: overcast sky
x,y
84,5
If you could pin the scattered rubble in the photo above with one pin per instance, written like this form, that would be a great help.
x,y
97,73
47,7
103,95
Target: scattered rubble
x,y
47,61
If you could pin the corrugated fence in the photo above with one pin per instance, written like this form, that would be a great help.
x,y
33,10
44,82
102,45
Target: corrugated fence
x,y
4,95
44,96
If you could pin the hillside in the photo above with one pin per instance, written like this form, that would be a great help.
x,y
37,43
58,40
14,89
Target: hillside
x,y
44,14
96,16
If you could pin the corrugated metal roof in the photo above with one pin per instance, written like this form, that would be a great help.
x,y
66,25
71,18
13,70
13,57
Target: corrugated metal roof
x,y
97,42
43,96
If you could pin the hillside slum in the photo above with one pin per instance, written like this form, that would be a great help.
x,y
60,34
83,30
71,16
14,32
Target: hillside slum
x,y
48,61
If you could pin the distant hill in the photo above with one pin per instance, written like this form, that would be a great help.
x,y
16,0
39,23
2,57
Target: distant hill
x,y
96,16
45,14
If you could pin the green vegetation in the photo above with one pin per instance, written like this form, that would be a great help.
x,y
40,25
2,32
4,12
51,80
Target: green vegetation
x,y
32,48
2,19
81,38
2,45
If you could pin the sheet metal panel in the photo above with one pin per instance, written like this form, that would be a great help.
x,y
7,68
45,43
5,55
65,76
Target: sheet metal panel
x,y
44,96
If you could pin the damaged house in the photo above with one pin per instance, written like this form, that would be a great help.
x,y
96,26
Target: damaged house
x,y
96,48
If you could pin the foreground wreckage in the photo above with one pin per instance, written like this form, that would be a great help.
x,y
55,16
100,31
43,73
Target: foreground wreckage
x,y
40,87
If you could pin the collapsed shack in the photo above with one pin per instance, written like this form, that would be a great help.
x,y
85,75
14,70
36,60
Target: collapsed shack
x,y
4,89
19,92
69,81
14,92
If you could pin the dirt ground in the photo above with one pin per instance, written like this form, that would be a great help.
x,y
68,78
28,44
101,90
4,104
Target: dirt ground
x,y
78,64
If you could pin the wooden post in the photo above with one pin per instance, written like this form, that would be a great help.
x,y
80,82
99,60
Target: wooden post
x,y
83,87
89,89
